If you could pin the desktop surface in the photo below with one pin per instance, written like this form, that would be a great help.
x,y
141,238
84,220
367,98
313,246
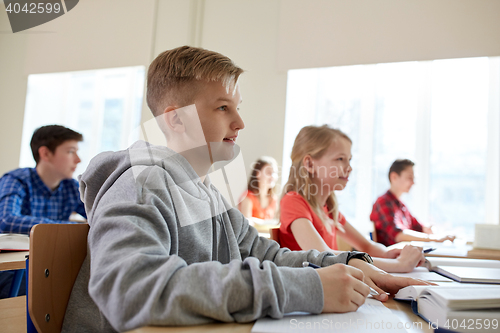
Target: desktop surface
x,y
13,260
412,322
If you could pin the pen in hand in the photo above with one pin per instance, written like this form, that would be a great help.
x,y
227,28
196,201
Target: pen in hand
x,y
429,249
373,292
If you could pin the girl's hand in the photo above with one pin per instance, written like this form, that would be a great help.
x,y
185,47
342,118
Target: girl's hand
x,y
393,254
343,288
384,282
410,257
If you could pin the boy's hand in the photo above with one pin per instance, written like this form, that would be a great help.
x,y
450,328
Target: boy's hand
x,y
442,239
428,230
410,257
343,288
384,282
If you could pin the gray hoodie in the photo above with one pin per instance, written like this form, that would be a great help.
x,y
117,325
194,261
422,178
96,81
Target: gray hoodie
x,y
168,249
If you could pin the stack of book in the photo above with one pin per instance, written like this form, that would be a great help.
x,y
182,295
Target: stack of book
x,y
457,307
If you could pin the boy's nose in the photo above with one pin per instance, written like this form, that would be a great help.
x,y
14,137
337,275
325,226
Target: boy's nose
x,y
238,123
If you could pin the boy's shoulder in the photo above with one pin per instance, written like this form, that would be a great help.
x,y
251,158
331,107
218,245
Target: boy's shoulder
x,y
20,174
70,183
140,155
385,198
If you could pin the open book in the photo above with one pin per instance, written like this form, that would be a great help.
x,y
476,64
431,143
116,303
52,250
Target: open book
x,y
466,270
456,307
470,275
14,242
458,269
463,262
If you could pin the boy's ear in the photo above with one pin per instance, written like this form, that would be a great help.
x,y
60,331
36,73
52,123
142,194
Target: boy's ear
x,y
44,153
393,176
173,120
307,162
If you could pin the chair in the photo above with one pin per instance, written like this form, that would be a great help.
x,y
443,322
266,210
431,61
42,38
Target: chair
x,y
57,252
274,233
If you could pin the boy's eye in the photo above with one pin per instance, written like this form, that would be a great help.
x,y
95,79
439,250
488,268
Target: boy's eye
x,y
222,108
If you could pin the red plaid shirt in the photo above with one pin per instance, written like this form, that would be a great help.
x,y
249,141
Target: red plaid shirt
x,y
391,217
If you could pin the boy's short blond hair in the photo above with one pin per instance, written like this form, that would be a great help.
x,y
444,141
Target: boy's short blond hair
x,y
175,75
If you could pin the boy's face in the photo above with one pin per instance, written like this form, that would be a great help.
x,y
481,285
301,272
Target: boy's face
x,y
405,181
219,117
64,160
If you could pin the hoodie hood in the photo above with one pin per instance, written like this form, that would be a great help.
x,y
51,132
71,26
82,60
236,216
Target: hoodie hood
x,y
107,167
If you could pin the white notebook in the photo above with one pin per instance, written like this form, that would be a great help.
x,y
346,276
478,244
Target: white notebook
x,y
470,274
463,262
368,318
445,267
14,242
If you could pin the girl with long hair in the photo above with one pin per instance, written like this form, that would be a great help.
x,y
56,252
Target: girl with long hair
x,y
260,200
309,211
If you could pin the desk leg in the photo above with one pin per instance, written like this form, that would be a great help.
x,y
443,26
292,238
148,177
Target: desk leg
x,y
16,282
30,327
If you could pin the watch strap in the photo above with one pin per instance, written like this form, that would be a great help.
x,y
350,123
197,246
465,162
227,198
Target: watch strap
x,y
359,255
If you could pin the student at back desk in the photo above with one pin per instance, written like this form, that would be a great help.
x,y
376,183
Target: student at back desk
x,y
392,219
46,193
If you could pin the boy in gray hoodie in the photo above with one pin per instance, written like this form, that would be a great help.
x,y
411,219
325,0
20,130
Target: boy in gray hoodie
x,y
166,248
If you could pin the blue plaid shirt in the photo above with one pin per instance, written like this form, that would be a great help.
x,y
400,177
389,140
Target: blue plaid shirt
x,y
25,200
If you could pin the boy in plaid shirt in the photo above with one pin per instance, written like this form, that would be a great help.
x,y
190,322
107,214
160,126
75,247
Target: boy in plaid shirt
x,y
392,219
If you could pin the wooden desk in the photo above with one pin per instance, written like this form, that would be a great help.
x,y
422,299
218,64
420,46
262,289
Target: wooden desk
x,y
13,320
13,260
400,309
210,328
13,314
484,254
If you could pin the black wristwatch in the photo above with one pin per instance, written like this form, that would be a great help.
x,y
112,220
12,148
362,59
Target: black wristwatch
x,y
359,255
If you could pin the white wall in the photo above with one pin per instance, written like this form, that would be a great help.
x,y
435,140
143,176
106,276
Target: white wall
x,y
95,34
265,37
352,32
247,32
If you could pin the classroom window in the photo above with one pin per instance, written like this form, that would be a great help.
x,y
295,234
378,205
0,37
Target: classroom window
x,y
104,105
442,114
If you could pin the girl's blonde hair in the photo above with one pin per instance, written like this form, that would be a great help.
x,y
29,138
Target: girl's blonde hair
x,y
313,141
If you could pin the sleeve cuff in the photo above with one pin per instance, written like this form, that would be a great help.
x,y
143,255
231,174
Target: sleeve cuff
x,y
341,258
304,289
